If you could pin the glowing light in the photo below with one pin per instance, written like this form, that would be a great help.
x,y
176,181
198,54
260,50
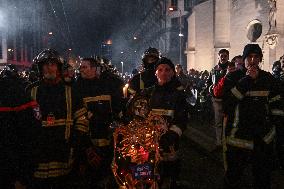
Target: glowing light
x,y
109,42
171,8
50,33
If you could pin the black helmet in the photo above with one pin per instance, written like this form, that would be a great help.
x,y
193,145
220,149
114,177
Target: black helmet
x,y
150,52
45,57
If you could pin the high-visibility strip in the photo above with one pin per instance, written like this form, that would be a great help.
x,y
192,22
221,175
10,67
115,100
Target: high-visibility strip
x,y
53,165
34,92
237,93
51,173
277,112
131,91
240,143
176,129
80,113
236,117
270,136
100,142
257,93
234,131
276,98
163,112
69,111
82,124
141,83
82,128
57,122
30,104
97,98
53,169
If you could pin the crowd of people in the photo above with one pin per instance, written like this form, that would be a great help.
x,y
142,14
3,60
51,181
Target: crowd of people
x,y
57,123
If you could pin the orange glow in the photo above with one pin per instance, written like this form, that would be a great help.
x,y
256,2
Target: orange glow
x,y
109,42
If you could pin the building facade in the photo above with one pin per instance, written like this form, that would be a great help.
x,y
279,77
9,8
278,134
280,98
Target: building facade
x,y
27,27
217,24
158,26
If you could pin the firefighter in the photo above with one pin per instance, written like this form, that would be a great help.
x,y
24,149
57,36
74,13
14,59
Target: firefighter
x,y
103,105
167,98
248,129
18,127
147,77
63,124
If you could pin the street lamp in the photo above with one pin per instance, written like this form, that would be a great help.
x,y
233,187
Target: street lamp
x,y
121,67
171,9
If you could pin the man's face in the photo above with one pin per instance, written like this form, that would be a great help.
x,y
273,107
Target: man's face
x,y
87,72
223,57
164,73
252,60
151,59
239,63
50,71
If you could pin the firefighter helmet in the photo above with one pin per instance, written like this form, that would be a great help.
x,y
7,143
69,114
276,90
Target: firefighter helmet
x,y
150,57
151,52
45,57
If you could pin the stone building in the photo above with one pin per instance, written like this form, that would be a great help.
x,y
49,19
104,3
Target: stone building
x,y
216,24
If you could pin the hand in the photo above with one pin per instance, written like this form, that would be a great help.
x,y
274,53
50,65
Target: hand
x,y
93,158
252,72
168,141
230,69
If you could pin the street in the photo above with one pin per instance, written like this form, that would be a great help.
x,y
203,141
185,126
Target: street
x,y
202,166
198,169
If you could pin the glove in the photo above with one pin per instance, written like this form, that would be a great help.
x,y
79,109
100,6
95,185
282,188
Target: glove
x,y
93,157
168,141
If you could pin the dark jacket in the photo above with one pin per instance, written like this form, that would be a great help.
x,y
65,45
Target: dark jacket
x,y
17,132
102,103
141,81
170,99
63,122
249,122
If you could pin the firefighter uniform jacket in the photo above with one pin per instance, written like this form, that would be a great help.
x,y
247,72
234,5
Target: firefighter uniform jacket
x,y
63,121
169,101
17,130
142,81
249,122
103,107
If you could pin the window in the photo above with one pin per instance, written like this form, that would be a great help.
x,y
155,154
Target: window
x,y
175,22
188,4
174,3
